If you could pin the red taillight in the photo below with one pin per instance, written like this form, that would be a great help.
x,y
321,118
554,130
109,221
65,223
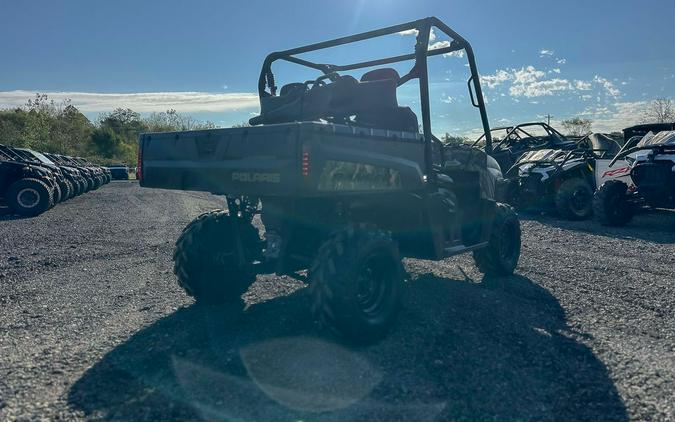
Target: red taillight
x,y
139,163
305,163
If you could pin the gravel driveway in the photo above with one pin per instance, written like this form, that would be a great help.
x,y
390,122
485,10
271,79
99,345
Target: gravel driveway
x,y
93,326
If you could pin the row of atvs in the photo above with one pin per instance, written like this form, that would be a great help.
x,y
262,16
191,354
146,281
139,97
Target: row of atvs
x,y
32,182
597,174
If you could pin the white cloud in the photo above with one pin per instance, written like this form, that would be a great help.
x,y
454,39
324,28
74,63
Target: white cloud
x,y
561,61
492,81
144,102
435,45
528,81
546,53
458,53
540,88
439,44
608,85
582,85
432,35
616,116
527,75
409,32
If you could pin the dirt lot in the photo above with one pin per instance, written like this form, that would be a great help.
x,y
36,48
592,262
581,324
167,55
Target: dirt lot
x,y
93,326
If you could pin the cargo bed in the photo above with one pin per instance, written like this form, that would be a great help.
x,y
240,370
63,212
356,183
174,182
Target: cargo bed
x,y
289,159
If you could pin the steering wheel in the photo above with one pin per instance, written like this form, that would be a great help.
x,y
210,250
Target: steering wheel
x,y
320,81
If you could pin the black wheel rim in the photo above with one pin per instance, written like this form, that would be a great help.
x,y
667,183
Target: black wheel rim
x,y
580,201
374,284
614,205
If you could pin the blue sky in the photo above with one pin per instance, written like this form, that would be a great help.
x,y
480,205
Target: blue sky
x,y
598,59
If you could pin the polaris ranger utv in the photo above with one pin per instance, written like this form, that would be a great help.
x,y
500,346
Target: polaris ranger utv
x,y
652,171
345,185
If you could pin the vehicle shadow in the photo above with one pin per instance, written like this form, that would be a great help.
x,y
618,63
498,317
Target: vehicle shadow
x,y
499,349
656,226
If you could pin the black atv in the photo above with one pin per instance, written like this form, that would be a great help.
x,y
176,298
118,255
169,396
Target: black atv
x,y
511,142
65,176
553,179
73,173
652,173
26,188
344,183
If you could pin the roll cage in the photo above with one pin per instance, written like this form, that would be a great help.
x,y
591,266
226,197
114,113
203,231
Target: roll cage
x,y
633,145
267,86
519,132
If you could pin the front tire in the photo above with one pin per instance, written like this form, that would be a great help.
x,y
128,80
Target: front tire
x,y
206,258
574,199
356,284
500,257
29,197
610,204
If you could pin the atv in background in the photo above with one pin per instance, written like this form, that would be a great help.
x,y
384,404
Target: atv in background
x,y
64,176
75,175
345,185
25,187
119,171
652,173
511,142
641,130
553,179
564,180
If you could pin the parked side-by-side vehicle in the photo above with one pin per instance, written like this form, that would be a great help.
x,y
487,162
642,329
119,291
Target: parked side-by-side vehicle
x,y
324,165
32,182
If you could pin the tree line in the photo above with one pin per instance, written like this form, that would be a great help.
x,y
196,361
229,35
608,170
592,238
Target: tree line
x,y
45,125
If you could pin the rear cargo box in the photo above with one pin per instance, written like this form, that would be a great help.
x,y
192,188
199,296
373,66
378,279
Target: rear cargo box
x,y
308,159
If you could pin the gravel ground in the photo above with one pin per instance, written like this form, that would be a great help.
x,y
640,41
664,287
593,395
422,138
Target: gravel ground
x,y
93,326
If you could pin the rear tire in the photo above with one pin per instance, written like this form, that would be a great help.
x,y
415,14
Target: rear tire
x,y
57,194
79,186
356,284
574,199
29,197
206,257
610,204
66,190
500,257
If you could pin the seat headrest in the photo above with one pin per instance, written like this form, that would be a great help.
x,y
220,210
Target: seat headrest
x,y
381,74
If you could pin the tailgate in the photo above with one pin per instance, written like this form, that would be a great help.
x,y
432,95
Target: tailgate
x,y
259,160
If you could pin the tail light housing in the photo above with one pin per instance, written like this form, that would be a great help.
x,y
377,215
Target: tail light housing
x,y
305,163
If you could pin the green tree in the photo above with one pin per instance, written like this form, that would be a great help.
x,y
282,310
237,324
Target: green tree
x,y
124,122
171,120
452,139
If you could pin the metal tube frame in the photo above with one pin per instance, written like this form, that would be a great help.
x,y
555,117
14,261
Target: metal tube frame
x,y
420,70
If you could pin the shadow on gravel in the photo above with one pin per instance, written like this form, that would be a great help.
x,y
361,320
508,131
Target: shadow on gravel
x,y
498,349
655,226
